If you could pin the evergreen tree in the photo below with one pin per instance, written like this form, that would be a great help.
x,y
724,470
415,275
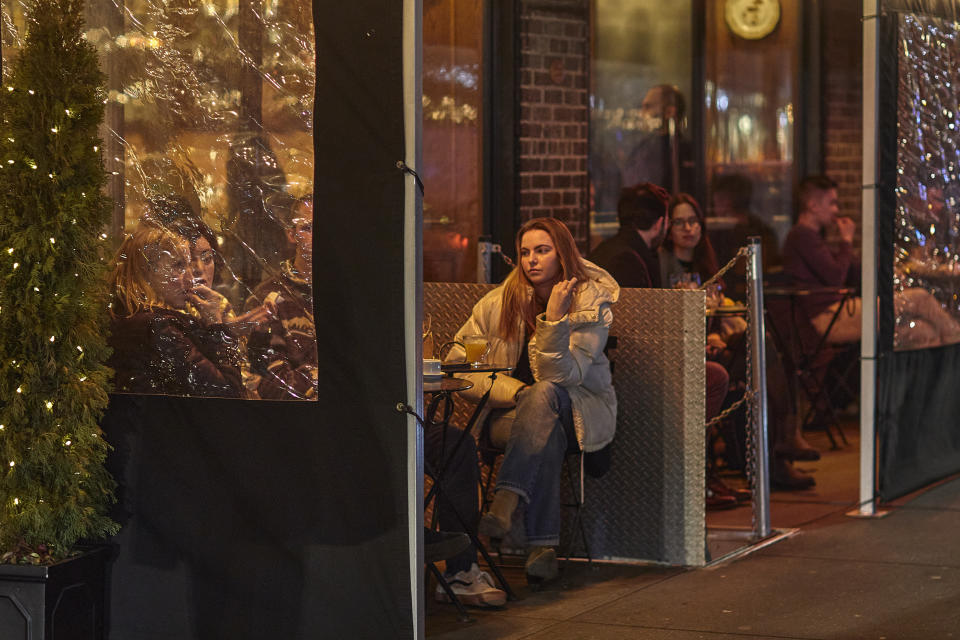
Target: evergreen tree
x,y
54,489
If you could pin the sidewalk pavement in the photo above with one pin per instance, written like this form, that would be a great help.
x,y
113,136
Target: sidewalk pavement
x,y
837,578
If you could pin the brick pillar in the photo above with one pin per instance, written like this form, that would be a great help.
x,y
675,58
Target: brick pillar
x,y
554,44
842,79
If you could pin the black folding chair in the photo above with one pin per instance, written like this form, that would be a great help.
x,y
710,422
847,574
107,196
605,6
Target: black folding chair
x,y
806,354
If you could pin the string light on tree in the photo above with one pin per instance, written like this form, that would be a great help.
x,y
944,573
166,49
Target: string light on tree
x,y
54,48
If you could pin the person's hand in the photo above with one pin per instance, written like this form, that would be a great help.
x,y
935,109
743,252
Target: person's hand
x,y
715,345
560,298
207,302
714,297
846,227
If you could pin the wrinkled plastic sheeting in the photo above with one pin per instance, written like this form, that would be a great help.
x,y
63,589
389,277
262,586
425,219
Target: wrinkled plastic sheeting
x,y
208,141
926,254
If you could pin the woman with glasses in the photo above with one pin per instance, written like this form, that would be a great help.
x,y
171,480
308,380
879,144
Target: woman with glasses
x,y
686,254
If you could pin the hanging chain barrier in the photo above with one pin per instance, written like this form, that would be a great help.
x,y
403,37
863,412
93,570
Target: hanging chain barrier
x,y
755,393
743,252
726,413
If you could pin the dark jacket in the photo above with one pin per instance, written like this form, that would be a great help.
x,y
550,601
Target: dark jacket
x,y
628,259
285,354
172,353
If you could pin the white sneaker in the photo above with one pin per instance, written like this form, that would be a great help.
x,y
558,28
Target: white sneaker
x,y
474,588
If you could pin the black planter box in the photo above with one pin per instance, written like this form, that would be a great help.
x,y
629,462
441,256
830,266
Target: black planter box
x,y
65,601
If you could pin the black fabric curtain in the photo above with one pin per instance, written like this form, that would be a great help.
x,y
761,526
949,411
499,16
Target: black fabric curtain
x,y
260,519
918,437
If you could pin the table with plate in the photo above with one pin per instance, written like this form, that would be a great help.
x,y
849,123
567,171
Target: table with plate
x,y
727,311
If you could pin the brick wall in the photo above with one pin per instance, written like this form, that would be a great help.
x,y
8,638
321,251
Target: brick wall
x,y
842,96
552,175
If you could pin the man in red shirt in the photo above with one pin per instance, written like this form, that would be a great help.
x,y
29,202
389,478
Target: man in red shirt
x,y
810,262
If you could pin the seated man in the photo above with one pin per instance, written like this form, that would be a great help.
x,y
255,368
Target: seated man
x,y
631,255
809,261
284,354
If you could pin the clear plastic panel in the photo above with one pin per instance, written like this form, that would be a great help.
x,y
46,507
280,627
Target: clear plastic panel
x,y
926,259
208,139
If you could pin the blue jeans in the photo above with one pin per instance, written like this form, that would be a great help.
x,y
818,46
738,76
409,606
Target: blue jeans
x,y
541,437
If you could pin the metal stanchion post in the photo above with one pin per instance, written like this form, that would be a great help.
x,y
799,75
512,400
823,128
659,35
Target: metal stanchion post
x,y
484,264
761,488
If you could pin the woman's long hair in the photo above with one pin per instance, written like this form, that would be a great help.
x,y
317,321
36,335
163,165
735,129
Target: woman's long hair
x,y
518,298
135,260
704,257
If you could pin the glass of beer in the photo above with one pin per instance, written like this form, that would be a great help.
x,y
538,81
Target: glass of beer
x,y
477,348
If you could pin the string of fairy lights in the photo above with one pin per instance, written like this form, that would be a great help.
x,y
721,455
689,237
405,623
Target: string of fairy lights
x,y
48,404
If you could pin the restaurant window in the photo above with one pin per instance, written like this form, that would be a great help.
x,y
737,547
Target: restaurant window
x,y
751,99
681,99
208,140
640,102
452,138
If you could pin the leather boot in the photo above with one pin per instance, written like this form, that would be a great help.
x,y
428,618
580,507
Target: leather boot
x,y
497,521
542,564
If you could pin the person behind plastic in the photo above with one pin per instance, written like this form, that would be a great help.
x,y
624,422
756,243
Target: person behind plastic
x,y
284,352
174,213
549,320
158,347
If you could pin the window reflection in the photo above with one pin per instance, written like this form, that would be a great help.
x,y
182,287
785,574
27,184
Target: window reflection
x,y
639,102
452,142
751,91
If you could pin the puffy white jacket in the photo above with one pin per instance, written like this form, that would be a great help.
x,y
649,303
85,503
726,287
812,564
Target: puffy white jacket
x,y
568,352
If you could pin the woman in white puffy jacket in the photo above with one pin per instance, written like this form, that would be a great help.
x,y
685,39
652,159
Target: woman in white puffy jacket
x,y
549,320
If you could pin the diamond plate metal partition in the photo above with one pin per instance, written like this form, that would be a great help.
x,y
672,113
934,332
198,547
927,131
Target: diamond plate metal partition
x,y
650,504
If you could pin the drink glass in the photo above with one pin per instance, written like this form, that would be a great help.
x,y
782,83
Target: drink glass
x,y
685,280
476,348
714,296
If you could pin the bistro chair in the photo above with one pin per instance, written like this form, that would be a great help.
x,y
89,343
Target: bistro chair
x,y
807,356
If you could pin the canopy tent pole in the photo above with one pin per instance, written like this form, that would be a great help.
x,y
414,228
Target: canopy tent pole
x,y
413,297
868,341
